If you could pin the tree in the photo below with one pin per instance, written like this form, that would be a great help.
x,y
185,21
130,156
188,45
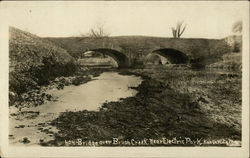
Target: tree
x,y
236,41
98,32
178,30
237,27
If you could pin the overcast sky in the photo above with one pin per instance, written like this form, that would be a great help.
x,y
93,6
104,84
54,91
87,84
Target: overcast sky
x,y
61,19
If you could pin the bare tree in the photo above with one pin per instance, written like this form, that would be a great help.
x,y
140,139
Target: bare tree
x,y
178,30
98,32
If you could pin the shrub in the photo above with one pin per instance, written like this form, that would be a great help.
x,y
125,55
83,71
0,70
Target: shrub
x,y
35,61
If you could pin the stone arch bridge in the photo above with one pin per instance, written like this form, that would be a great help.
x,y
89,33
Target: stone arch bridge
x,y
133,50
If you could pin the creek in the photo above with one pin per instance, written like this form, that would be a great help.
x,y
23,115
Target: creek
x,y
32,125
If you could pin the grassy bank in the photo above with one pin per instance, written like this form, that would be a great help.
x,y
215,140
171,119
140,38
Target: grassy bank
x,y
38,96
230,61
35,62
179,103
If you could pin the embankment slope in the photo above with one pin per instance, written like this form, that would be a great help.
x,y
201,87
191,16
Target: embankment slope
x,y
35,61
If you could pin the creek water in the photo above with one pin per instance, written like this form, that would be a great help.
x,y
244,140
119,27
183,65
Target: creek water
x,y
29,130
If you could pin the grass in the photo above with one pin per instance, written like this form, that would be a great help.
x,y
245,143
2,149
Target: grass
x,y
230,61
169,103
35,62
36,97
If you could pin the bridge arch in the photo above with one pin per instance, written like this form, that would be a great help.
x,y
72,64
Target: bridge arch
x,y
120,58
172,56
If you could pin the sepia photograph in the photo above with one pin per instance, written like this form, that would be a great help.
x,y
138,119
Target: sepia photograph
x,y
164,76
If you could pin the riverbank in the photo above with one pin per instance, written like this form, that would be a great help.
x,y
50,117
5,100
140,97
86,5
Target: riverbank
x,y
28,124
31,125
179,103
38,96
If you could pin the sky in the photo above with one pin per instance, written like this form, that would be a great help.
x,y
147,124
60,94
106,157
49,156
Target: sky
x,y
212,19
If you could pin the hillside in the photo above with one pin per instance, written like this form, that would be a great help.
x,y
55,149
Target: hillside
x,y
28,48
35,61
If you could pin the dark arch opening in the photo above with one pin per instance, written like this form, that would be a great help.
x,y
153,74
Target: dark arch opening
x,y
155,59
120,58
174,56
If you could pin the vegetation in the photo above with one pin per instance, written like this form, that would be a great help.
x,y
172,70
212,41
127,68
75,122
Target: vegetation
x,y
35,62
233,59
178,31
237,27
230,61
98,32
235,40
169,103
